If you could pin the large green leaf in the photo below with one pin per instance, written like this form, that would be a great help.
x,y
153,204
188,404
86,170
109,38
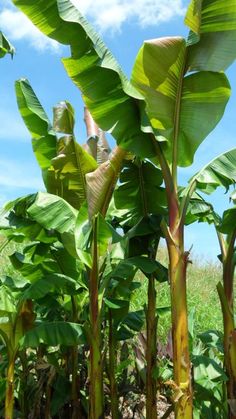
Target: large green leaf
x,y
139,192
176,104
44,140
30,268
53,212
53,334
221,171
64,162
213,34
54,283
106,91
18,226
228,222
5,46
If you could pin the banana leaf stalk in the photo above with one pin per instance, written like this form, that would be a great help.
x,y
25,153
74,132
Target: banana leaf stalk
x,y
178,261
9,399
226,296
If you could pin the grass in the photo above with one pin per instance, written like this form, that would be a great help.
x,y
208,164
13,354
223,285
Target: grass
x,y
202,279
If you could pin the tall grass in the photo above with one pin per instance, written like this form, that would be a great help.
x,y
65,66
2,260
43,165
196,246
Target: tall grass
x,y
202,278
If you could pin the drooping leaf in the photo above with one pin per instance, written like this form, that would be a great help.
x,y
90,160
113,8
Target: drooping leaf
x,y
221,171
5,46
54,283
228,223
18,226
116,304
145,264
135,320
139,192
53,212
177,104
106,91
53,334
213,34
198,209
30,269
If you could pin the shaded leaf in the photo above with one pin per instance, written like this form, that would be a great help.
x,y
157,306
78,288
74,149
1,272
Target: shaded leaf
x,y
53,334
221,171
213,34
139,192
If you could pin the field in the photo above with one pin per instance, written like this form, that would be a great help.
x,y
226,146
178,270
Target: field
x,y
203,299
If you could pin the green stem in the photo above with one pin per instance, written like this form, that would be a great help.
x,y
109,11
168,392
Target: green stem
x,y
96,408
112,370
9,400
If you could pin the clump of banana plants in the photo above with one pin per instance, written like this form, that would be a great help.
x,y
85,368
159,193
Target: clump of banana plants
x,y
159,117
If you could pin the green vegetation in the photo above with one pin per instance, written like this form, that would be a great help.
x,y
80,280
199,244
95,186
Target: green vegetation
x,y
203,277
86,305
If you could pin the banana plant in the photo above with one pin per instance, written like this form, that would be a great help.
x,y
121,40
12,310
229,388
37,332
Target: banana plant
x,y
71,172
226,231
175,103
16,318
166,110
218,174
49,270
140,217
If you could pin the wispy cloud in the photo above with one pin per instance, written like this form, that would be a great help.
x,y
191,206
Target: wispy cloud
x,y
18,27
106,15
112,14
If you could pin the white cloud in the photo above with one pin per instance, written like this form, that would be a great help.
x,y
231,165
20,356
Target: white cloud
x,y
18,27
20,176
105,14
111,14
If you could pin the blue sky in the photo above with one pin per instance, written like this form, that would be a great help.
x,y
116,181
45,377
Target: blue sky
x,y
124,25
